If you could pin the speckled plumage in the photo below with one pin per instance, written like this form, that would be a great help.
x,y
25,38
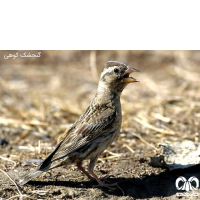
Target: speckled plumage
x,y
96,128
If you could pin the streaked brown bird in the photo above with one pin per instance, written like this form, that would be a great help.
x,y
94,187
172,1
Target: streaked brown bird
x,y
96,128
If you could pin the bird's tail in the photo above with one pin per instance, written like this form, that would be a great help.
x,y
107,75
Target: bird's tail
x,y
46,165
23,180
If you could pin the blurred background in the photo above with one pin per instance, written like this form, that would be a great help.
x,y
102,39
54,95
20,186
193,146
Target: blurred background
x,y
40,97
48,93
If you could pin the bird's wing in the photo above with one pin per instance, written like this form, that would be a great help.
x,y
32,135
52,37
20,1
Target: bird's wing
x,y
90,125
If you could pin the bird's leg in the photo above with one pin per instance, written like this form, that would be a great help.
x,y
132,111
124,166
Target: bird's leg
x,y
91,172
80,167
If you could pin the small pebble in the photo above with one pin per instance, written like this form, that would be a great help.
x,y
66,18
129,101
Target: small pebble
x,y
33,161
3,142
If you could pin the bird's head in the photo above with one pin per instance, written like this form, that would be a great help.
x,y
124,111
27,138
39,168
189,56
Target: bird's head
x,y
115,76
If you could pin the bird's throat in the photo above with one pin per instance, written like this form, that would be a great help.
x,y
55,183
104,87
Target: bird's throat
x,y
104,91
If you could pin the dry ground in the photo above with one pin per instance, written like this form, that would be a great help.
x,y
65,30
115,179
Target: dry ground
x,y
40,98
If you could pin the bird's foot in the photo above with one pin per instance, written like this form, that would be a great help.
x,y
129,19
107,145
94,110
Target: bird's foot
x,y
100,182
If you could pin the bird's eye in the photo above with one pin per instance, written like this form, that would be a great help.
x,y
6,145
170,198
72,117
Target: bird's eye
x,y
116,71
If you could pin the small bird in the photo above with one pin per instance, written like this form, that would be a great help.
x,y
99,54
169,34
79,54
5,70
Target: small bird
x,y
96,128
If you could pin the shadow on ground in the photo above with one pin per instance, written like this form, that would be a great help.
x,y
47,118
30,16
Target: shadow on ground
x,y
162,185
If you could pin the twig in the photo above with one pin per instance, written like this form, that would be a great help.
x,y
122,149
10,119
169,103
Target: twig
x,y
15,121
121,190
20,194
147,125
31,148
93,65
39,147
64,134
161,117
113,154
40,192
143,140
7,159
189,111
129,148
108,158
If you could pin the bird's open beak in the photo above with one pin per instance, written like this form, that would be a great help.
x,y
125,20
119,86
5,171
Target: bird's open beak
x,y
126,78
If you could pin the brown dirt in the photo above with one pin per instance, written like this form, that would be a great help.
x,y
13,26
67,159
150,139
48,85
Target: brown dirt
x,y
39,99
